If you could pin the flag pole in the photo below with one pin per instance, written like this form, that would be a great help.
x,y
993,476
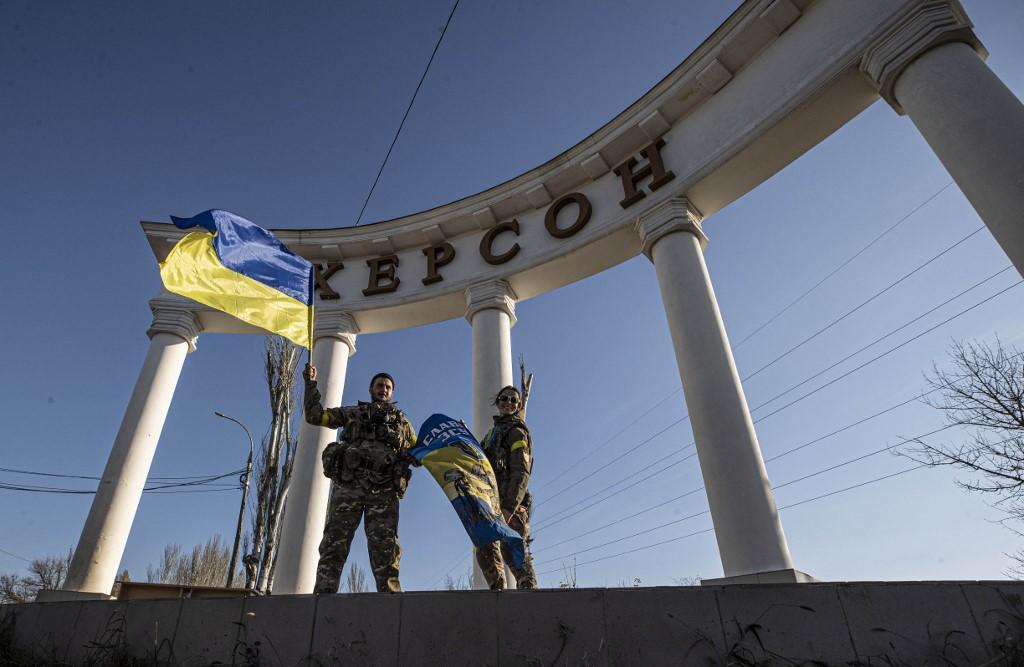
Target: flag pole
x,y
309,349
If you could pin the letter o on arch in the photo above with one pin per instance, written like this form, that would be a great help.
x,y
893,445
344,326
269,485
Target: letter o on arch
x,y
582,215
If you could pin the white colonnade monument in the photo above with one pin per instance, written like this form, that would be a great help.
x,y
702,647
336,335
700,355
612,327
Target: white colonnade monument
x,y
775,79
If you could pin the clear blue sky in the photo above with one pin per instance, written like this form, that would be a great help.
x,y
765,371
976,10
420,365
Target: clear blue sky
x,y
115,112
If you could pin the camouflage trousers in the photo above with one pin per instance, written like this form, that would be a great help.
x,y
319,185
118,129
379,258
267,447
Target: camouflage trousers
x,y
380,515
493,557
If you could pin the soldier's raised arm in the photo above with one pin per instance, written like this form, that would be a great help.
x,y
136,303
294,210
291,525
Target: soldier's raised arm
x,y
316,413
520,464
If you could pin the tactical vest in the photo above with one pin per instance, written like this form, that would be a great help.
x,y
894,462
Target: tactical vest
x,y
370,449
498,447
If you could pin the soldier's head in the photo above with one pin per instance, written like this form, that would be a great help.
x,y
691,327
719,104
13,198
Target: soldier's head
x,y
508,400
382,386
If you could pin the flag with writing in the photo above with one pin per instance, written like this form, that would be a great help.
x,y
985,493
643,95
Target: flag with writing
x,y
453,457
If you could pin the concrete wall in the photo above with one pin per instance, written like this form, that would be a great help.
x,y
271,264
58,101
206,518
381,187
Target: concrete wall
x,y
934,623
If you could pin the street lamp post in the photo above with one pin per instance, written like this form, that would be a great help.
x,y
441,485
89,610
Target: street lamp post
x,y
245,494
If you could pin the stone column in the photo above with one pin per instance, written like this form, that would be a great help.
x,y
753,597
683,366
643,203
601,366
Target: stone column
x,y
491,311
334,341
929,66
747,526
98,554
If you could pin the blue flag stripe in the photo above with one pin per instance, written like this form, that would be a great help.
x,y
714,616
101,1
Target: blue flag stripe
x,y
252,251
447,447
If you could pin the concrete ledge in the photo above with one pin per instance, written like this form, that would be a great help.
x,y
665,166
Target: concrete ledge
x,y
46,595
855,623
774,577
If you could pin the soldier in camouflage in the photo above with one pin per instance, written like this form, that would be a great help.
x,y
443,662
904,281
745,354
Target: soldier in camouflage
x,y
370,471
509,449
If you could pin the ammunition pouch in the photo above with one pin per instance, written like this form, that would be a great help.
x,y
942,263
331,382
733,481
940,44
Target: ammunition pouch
x,y
351,461
371,457
332,459
402,474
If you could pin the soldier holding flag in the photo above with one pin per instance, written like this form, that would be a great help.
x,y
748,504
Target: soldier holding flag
x,y
370,471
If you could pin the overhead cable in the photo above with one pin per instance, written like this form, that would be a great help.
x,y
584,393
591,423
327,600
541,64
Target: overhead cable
x,y
793,402
710,529
841,266
860,305
798,345
691,492
406,114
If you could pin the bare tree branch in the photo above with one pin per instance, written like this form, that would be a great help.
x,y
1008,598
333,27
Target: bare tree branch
x,y
982,393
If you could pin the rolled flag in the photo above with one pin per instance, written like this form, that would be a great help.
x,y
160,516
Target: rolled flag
x,y
239,268
453,457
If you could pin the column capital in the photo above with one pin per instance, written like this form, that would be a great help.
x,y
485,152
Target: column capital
x,y
335,324
675,214
922,27
491,294
176,317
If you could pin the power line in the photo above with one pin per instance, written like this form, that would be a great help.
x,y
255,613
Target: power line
x,y
617,458
827,384
860,305
12,555
457,563
612,438
93,477
406,114
708,530
791,403
884,336
691,492
890,350
161,488
797,346
551,521
842,266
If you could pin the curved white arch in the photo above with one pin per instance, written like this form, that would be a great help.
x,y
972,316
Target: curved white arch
x,y
778,77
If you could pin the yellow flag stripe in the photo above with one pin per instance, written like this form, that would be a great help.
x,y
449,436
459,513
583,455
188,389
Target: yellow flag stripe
x,y
193,270
445,459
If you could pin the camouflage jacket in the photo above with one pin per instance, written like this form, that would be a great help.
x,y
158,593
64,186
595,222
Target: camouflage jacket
x,y
374,440
509,449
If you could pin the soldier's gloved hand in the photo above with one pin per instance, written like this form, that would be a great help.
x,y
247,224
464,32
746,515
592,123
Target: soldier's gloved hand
x,y
410,460
309,373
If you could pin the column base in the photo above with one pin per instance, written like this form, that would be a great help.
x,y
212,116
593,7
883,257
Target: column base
x,y
47,595
790,576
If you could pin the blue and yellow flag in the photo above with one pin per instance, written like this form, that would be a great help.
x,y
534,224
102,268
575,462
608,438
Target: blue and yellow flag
x,y
453,457
242,269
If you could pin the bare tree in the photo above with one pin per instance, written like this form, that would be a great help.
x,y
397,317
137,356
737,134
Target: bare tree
x,y
355,582
275,458
525,383
463,583
568,575
46,573
14,589
687,580
203,566
982,392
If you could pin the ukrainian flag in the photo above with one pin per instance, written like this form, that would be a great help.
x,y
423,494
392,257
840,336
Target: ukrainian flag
x,y
454,459
243,270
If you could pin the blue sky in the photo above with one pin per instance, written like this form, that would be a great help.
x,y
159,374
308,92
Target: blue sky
x,y
119,112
